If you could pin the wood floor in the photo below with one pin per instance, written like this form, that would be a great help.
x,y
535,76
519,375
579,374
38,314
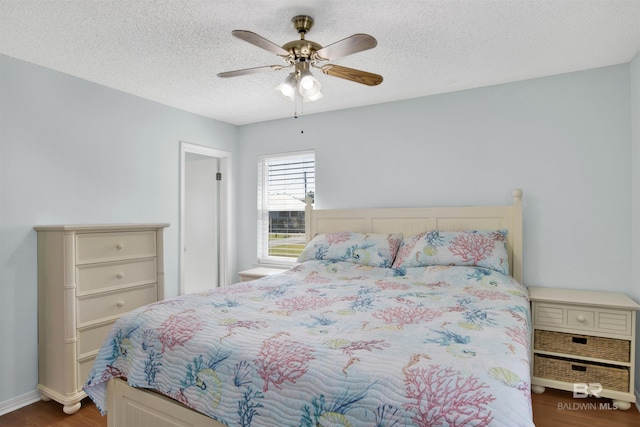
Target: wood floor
x,y
553,408
50,414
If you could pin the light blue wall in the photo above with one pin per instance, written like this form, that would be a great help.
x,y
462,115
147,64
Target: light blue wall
x,y
565,140
75,152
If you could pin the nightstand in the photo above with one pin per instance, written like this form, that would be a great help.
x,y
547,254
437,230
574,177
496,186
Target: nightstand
x,y
584,341
257,273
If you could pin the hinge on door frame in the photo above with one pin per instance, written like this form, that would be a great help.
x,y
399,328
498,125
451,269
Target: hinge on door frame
x,y
218,176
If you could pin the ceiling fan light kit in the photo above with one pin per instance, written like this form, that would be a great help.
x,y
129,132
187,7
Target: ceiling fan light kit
x,y
301,55
300,83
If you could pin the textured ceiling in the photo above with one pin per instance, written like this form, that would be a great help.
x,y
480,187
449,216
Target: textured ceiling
x,y
170,51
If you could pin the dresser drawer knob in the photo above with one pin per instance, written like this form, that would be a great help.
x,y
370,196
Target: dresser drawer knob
x,y
120,275
581,318
120,303
120,246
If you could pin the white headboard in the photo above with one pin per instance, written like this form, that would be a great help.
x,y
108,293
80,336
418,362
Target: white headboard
x,y
410,221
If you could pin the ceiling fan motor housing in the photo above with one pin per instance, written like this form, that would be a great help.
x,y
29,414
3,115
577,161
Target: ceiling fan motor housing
x,y
301,50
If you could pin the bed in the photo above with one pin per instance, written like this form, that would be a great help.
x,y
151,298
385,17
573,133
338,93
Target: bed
x,y
391,317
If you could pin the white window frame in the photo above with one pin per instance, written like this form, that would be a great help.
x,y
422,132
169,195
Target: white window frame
x,y
263,209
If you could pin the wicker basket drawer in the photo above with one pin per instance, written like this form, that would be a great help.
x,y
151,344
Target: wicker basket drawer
x,y
571,371
583,345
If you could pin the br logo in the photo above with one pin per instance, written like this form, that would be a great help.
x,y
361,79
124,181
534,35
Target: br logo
x,y
582,390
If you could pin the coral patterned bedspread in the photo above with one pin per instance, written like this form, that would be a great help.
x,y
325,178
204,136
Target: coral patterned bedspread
x,y
333,343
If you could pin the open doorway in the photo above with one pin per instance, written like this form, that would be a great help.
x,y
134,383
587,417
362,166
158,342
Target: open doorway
x,y
204,217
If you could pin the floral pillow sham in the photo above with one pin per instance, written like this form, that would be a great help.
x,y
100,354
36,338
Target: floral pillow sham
x,y
375,250
482,248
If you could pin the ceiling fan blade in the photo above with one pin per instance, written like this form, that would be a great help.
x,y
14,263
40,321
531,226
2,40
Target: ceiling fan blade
x,y
354,75
254,70
260,41
353,44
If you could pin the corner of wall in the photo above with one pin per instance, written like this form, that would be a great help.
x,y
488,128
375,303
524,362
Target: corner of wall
x,y
634,89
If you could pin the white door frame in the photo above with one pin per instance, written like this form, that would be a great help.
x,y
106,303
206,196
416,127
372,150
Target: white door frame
x,y
225,211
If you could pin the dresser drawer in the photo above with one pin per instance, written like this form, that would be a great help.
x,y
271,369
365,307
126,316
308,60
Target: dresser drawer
x,y
100,306
90,339
583,318
84,367
103,247
582,345
94,277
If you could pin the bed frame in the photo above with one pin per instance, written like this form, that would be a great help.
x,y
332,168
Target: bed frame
x,y
132,407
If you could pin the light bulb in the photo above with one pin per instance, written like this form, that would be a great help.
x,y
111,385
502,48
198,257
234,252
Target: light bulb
x,y
307,82
309,87
288,87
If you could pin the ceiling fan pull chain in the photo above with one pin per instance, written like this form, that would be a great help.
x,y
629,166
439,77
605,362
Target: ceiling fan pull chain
x,y
295,105
295,112
301,121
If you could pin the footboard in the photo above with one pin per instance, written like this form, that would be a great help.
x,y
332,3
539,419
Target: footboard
x,y
134,407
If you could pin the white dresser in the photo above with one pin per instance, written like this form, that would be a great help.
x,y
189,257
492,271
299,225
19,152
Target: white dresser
x,y
89,276
584,341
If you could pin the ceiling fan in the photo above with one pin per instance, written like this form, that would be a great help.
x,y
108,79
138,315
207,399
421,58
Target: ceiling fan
x,y
301,55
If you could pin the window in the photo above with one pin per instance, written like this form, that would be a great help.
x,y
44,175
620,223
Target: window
x,y
284,181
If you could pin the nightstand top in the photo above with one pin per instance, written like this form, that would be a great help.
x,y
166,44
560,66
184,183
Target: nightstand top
x,y
262,271
581,297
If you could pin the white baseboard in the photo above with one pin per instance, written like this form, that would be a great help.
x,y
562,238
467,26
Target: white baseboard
x,y
18,402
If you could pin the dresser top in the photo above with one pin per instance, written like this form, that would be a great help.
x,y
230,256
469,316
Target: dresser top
x,y
100,227
575,296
